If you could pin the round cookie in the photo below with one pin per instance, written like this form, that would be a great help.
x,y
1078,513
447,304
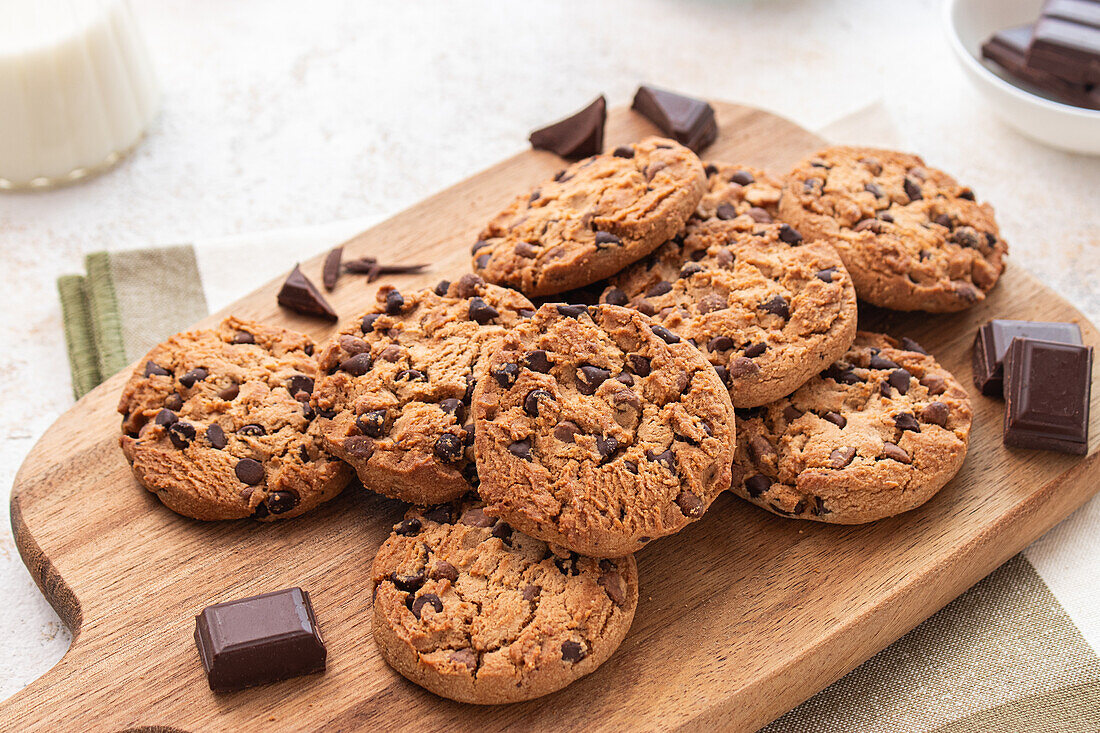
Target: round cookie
x,y
218,424
876,434
593,219
397,382
911,236
733,190
599,430
768,311
470,609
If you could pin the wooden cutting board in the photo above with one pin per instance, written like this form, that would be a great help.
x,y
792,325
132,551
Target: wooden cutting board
x,y
742,616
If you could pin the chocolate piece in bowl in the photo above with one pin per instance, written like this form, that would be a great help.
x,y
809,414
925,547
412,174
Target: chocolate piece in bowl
x,y
1047,393
992,342
577,136
1008,49
689,121
260,639
1066,46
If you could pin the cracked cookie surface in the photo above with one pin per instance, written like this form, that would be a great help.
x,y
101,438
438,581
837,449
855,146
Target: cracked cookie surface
x,y
910,235
218,424
768,310
592,219
733,190
477,612
599,430
877,433
396,385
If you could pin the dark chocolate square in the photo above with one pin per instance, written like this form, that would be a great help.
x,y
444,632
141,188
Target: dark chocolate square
x,y
994,338
1066,49
1047,391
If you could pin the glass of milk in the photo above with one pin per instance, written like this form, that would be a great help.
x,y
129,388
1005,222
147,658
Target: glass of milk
x,y
77,89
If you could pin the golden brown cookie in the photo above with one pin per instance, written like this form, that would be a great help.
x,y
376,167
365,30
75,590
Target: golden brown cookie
x,y
599,430
218,424
733,190
470,609
910,235
768,310
593,219
877,433
396,386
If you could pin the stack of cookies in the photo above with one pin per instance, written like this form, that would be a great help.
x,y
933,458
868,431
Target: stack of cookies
x,y
540,446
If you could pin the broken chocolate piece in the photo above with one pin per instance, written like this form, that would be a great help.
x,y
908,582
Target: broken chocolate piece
x,y
992,342
300,295
689,121
577,136
1047,394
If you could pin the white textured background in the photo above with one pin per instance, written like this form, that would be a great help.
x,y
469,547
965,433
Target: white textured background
x,y
280,113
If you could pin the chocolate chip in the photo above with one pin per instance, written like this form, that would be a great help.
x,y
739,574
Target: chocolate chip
x,y
252,430
841,374
537,361
835,418
303,453
645,307
606,239
174,401
454,406
742,366
299,383
720,343
614,296
526,313
572,311
606,445
640,365
367,326
625,378
754,350
712,302
665,458
760,450
690,504
895,452
906,421
448,448
189,379
689,269
757,485
663,333
410,375
372,423
359,446
776,305
216,436
441,287
531,402
912,189
743,178
810,185
505,374
471,384
357,365
165,417
395,302
409,583
503,531
841,457
623,151
966,237
443,570
725,258
428,599
789,234
478,245
281,502
899,378
747,413
726,211
249,471
759,215
481,311
520,449
826,275
791,413
874,189
658,289
881,362
181,434
871,225
243,337
566,430
440,514
572,651
966,194
935,413
476,517
590,377
910,345
152,368
408,527
631,466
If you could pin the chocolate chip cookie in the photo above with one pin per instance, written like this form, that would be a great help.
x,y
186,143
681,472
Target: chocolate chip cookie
x,y
397,381
877,433
599,430
218,424
477,612
733,190
594,218
768,310
911,236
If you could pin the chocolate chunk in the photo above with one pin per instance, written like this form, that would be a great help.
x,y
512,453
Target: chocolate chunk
x,y
589,378
1067,44
174,401
606,239
835,418
1047,393
441,287
189,379
368,322
725,211
742,366
757,485
664,334
826,275
625,378
638,364
606,445
896,453
720,343
428,599
842,374
658,289
448,448
841,457
789,234
260,639
300,295
478,245
754,350
573,651
537,361
299,383
776,305
874,189
249,471
454,406
505,374
992,342
906,421
280,502
665,458
503,531
690,504
577,136
531,402
181,434
614,296
359,446
372,423
154,369
243,337
566,430
395,302
481,311
899,379
520,449
331,270
910,345
408,527
935,413
216,436
881,362
165,417
357,365
572,311
443,570
690,121
409,583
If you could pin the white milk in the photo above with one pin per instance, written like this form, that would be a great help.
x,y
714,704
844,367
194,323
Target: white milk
x,y
76,89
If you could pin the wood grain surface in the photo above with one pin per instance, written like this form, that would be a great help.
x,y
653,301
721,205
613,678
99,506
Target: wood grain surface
x,y
742,616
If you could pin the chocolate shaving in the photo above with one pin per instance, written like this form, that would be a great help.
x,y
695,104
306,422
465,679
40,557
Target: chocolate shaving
x,y
370,267
331,270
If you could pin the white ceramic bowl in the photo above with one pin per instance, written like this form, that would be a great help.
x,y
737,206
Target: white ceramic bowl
x,y
968,24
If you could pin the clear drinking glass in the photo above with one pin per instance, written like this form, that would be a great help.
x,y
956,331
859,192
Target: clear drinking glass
x,y
77,89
